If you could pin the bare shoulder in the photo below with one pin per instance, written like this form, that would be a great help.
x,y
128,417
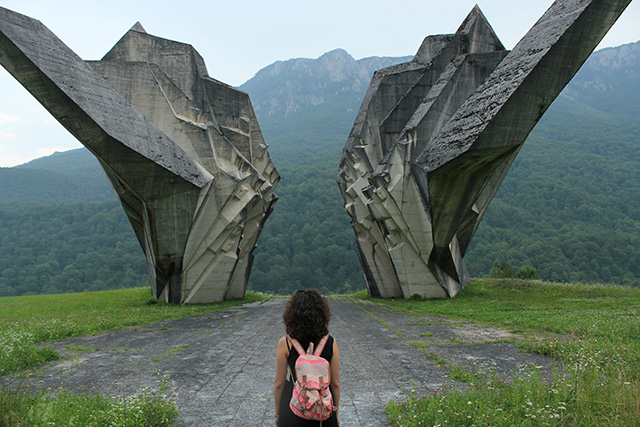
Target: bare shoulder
x,y
282,346
282,343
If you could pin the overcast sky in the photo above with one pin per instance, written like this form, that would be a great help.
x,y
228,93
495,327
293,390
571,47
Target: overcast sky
x,y
238,38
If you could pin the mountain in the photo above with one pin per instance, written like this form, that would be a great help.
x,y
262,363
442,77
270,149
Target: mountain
x,y
76,162
609,81
569,206
287,87
72,175
306,107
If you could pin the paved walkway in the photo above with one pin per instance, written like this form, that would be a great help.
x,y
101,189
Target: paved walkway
x,y
221,365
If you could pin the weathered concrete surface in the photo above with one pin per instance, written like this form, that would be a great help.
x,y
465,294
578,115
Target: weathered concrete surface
x,y
215,362
183,151
435,137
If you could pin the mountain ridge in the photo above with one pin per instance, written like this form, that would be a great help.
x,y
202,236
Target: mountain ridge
x,y
300,82
607,77
626,56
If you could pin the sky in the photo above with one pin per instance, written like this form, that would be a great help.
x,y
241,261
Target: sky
x,y
238,38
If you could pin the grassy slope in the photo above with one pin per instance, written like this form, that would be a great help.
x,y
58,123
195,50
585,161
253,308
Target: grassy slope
x,y
29,320
563,308
600,357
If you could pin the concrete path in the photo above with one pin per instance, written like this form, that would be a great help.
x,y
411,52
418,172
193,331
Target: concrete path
x,y
221,365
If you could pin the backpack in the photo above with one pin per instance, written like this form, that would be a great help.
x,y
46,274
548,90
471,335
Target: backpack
x,y
311,397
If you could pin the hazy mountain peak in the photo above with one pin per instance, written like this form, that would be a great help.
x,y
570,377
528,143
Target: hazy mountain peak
x,y
609,81
337,54
338,65
627,55
285,87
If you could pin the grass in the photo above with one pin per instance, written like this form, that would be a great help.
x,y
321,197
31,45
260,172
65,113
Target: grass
x,y
592,330
527,401
145,408
171,353
29,323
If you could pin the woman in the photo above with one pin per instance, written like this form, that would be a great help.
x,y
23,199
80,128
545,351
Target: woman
x,y
306,319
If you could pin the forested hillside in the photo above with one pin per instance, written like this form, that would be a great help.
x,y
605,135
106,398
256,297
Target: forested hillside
x,y
570,205
62,177
69,247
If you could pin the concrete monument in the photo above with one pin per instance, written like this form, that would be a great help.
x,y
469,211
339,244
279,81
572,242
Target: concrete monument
x,y
435,137
183,151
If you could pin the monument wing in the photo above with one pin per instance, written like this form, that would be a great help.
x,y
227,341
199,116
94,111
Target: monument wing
x,y
435,137
183,152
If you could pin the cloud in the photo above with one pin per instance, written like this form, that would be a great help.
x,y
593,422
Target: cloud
x,y
6,135
9,118
10,161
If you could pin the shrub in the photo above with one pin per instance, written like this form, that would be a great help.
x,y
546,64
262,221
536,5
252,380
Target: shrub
x,y
527,272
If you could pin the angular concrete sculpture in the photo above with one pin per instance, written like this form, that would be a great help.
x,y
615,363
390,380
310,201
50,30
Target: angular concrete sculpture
x,y
183,151
435,137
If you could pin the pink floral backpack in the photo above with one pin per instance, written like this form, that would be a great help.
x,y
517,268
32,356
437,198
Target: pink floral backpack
x,y
311,398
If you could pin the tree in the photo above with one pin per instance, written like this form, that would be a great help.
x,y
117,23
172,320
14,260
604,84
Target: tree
x,y
501,271
527,272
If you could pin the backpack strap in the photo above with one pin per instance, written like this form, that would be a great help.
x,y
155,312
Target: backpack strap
x,y
321,345
300,350
296,345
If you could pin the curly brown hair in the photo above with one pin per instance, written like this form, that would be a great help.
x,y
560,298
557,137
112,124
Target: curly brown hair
x,y
306,316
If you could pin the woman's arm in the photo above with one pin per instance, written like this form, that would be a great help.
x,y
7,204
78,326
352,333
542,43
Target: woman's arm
x,y
281,373
335,374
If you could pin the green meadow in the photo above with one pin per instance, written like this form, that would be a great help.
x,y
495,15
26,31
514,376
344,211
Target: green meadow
x,y
29,323
593,331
